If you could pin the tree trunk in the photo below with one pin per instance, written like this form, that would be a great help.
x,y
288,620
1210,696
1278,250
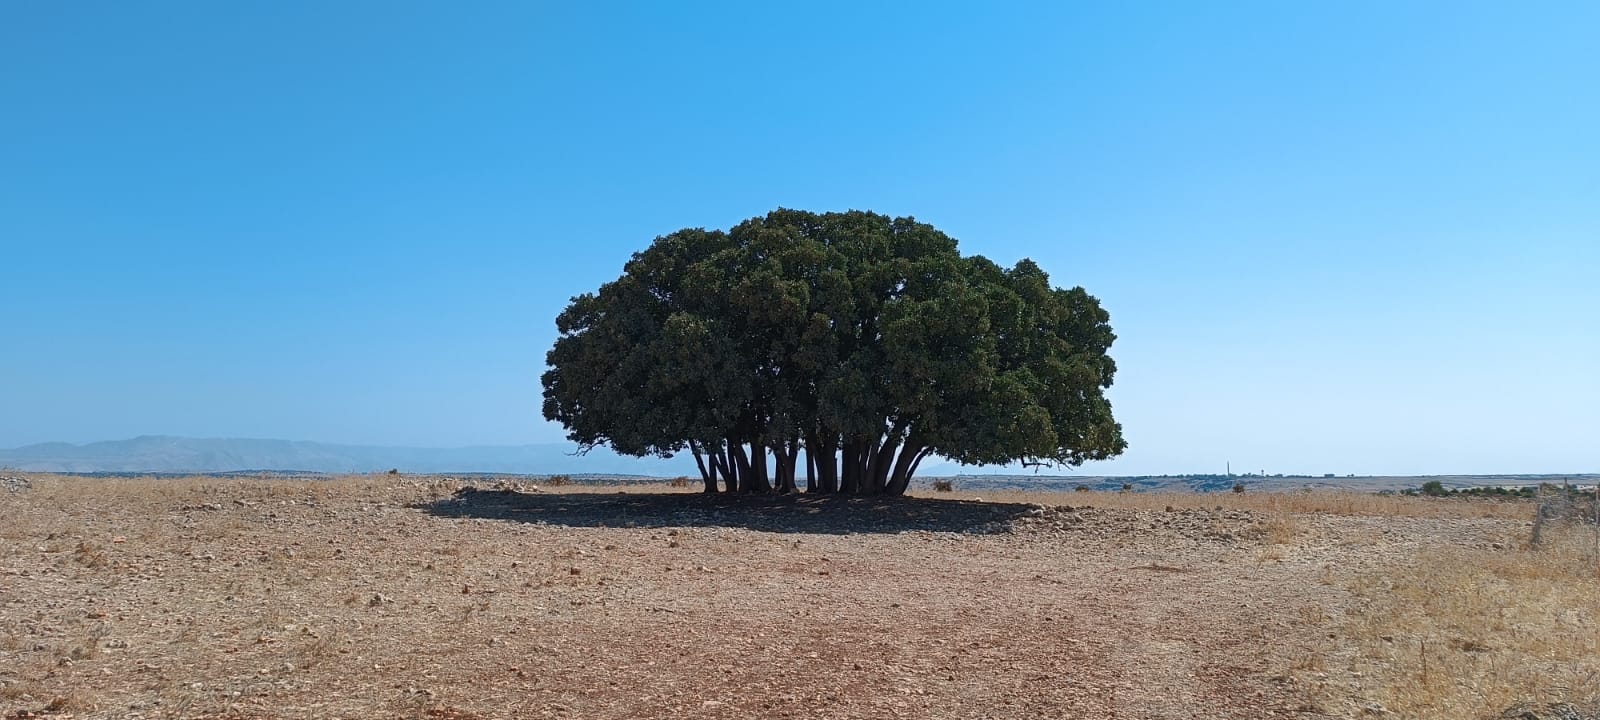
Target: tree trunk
x,y
730,470
864,468
918,462
882,463
780,468
828,465
741,466
759,481
900,479
816,476
787,456
811,468
850,469
708,470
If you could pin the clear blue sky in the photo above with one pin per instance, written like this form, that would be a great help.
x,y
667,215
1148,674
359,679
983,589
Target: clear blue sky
x,y
1353,237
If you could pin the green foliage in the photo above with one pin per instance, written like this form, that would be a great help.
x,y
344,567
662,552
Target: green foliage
x,y
1435,488
851,334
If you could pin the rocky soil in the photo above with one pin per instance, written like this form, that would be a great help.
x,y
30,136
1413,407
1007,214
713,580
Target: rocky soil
x,y
420,598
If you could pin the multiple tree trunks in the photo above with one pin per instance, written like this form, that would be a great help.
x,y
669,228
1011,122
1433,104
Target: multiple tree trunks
x,y
869,467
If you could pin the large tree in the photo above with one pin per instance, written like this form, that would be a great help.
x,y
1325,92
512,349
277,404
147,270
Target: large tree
x,y
865,342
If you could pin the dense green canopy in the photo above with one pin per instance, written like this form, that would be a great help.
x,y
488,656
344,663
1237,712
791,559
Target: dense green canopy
x,y
866,341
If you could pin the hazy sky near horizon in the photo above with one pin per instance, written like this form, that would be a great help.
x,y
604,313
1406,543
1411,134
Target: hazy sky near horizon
x,y
1353,237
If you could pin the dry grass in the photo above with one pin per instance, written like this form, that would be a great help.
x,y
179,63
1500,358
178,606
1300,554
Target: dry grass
x,y
1457,630
1462,631
1299,502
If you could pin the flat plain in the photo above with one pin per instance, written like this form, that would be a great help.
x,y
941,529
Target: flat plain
x,y
431,597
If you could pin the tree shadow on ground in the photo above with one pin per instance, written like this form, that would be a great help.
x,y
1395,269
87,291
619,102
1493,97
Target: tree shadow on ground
x,y
819,514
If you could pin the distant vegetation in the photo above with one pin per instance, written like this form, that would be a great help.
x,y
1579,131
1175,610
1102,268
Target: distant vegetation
x,y
1435,488
868,342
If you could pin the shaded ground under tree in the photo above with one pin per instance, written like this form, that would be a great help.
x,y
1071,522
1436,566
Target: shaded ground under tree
x,y
826,514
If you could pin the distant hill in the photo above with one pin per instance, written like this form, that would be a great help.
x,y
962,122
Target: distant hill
x,y
160,454
165,454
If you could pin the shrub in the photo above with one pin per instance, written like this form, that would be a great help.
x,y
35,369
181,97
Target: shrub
x,y
1081,488
944,486
1238,488
558,480
680,482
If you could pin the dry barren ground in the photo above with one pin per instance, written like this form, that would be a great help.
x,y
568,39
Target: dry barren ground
x,y
411,597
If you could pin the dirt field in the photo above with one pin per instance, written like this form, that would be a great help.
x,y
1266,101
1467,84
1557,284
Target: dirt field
x,y
408,597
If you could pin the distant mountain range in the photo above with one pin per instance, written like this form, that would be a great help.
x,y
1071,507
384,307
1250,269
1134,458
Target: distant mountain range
x,y
165,454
